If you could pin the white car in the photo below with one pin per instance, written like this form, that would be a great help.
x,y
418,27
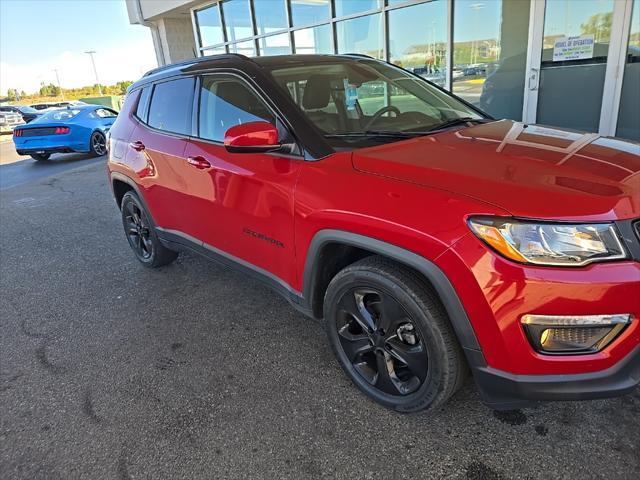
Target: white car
x,y
8,121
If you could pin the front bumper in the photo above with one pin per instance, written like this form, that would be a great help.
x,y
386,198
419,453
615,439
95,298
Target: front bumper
x,y
497,293
505,391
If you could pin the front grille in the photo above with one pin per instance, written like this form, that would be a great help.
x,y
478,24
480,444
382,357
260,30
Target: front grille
x,y
38,132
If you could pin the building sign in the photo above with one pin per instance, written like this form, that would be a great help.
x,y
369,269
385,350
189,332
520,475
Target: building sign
x,y
573,48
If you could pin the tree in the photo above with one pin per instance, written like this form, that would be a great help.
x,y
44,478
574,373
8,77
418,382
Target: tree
x,y
50,90
599,25
121,87
11,94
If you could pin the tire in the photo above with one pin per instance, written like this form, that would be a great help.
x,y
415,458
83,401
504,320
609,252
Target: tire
x,y
40,157
98,144
141,234
382,317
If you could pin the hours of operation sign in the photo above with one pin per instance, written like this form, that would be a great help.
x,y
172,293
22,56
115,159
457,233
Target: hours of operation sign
x,y
573,48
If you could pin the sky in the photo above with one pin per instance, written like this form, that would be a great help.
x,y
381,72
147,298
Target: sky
x,y
39,36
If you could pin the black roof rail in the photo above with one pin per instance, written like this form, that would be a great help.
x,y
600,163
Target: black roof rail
x,y
193,61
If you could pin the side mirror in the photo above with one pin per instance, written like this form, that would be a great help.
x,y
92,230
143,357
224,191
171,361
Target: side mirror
x,y
252,137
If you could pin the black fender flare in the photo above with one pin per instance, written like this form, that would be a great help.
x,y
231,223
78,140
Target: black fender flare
x,y
445,290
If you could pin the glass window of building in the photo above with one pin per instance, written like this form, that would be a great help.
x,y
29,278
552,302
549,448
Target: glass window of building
x,y
314,40
270,15
350,7
418,39
362,35
490,54
247,48
209,26
215,51
275,44
557,104
237,19
308,12
628,115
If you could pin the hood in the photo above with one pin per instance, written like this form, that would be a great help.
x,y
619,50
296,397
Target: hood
x,y
528,170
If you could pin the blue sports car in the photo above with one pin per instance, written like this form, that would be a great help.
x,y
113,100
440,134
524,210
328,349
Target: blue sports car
x,y
72,129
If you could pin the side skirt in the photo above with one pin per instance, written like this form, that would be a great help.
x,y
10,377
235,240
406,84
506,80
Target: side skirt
x,y
181,242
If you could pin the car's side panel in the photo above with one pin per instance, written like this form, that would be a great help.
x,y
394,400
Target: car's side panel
x,y
243,205
331,195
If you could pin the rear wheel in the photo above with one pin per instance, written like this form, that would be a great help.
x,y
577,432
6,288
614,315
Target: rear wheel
x,y
98,144
141,235
392,336
40,157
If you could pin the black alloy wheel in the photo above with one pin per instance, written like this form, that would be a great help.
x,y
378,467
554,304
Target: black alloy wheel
x,y
392,336
138,230
381,341
141,234
98,144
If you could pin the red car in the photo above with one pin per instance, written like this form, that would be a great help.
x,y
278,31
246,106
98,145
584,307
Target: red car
x,y
431,239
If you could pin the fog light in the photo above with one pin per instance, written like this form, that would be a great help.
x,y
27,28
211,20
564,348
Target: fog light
x,y
559,334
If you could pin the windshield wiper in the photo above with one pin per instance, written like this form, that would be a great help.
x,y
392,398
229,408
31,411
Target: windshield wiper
x,y
374,133
456,121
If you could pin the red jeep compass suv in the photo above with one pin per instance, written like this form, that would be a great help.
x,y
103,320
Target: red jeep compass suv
x,y
431,238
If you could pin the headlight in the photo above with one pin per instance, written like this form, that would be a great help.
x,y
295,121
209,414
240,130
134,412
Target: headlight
x,y
544,243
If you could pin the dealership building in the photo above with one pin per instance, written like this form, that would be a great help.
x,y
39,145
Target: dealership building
x,y
571,63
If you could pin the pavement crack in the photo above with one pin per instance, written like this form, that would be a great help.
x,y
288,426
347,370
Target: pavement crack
x,y
88,409
43,359
123,466
8,383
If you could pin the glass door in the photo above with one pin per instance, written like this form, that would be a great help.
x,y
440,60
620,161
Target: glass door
x,y
575,50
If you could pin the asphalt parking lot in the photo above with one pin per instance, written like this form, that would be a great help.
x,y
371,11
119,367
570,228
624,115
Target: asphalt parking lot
x,y
109,370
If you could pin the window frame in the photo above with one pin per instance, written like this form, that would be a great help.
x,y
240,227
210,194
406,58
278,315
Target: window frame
x,y
280,120
153,86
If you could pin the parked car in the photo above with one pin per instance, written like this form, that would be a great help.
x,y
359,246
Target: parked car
x,y
27,113
429,238
50,105
9,121
73,129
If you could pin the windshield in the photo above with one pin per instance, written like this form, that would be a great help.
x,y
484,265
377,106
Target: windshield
x,y
355,99
62,114
26,109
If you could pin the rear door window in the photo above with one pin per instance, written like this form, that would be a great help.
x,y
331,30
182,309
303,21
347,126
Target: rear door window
x,y
226,102
143,104
171,105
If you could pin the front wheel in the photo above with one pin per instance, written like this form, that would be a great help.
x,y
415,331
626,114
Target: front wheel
x,y
392,336
141,235
98,144
40,157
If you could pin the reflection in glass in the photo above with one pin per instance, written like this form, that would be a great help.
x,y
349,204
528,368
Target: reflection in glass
x,y
418,39
270,15
490,53
307,12
349,7
361,35
209,26
314,40
244,48
237,19
275,45
566,83
629,115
